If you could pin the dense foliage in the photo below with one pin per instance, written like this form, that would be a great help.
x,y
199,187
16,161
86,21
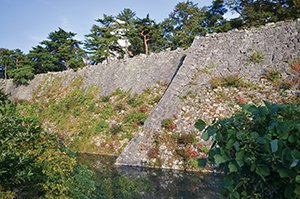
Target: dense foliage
x,y
258,149
33,162
126,34
58,53
259,12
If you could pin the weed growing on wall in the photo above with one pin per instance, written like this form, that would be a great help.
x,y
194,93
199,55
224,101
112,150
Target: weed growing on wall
x,y
231,80
256,57
88,122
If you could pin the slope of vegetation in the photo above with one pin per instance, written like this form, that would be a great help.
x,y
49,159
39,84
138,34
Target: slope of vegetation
x,y
87,122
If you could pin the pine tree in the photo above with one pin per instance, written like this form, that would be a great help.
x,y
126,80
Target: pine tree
x,y
184,23
259,12
16,65
102,43
65,48
6,61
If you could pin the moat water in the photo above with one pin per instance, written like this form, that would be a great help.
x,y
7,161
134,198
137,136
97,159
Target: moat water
x,y
132,182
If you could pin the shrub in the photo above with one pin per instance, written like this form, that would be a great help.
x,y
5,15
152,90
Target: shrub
x,y
3,97
182,153
154,100
216,81
33,163
191,153
168,124
232,80
272,75
292,81
153,152
258,149
186,139
296,67
107,111
256,57
143,109
136,117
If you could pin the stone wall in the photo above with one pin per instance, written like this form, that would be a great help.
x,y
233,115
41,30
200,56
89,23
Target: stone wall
x,y
135,73
246,53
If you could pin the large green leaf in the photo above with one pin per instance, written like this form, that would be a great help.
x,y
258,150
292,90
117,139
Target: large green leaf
x,y
295,154
211,131
201,163
282,130
236,145
250,108
262,171
294,163
274,145
230,144
292,139
232,167
283,172
200,125
205,136
240,158
219,159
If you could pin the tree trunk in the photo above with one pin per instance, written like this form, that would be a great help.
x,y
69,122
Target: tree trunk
x,y
146,39
146,46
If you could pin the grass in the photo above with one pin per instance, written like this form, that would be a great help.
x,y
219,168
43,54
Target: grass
x,y
89,123
185,148
273,75
227,81
256,57
168,124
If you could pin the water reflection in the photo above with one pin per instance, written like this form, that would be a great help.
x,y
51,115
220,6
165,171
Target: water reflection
x,y
131,182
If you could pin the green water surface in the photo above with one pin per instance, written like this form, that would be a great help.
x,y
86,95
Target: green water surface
x,y
132,182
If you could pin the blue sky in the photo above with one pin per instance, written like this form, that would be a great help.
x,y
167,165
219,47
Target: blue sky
x,y
25,23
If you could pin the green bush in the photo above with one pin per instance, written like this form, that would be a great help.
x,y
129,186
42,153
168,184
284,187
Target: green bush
x,y
273,75
3,97
256,57
33,163
22,75
136,117
232,80
259,151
